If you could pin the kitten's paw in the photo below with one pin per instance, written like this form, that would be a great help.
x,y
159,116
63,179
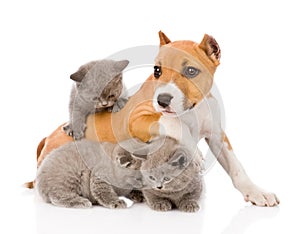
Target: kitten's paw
x,y
136,196
117,204
75,130
67,129
83,204
161,205
79,202
189,206
121,102
109,109
77,135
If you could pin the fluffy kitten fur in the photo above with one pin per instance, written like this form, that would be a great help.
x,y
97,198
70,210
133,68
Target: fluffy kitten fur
x,y
98,86
172,174
83,173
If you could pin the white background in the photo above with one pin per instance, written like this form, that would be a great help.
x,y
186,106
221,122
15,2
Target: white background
x,y
43,42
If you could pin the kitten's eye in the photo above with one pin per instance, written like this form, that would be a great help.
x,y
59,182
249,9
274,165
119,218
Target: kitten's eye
x,y
190,72
157,71
151,178
167,179
111,96
95,99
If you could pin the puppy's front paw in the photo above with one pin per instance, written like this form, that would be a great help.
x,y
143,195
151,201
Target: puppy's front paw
x,y
189,206
259,197
161,205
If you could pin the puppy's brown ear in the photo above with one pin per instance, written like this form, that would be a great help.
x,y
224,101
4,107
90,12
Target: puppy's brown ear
x,y
211,48
163,38
79,75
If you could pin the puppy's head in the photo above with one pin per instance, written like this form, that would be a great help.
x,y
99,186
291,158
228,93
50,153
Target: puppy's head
x,y
184,71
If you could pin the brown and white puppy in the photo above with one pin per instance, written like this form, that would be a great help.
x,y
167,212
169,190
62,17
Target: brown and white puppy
x,y
185,71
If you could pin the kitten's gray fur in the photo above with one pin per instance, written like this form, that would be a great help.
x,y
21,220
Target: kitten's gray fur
x,y
172,172
98,86
83,173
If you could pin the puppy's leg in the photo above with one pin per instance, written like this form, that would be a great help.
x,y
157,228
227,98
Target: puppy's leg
x,y
222,150
220,146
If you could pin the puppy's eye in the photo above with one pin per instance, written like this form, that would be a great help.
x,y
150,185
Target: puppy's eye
x,y
157,71
190,72
111,96
151,178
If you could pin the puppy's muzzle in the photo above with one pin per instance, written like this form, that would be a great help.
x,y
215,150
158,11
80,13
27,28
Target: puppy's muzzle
x,y
164,99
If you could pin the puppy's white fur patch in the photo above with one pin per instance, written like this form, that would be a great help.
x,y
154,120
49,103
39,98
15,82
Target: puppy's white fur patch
x,y
176,105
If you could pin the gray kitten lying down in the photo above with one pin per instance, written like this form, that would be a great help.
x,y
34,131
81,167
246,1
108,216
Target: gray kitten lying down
x,y
83,173
98,86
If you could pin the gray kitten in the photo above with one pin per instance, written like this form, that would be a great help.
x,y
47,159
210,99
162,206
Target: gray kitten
x,y
172,173
98,86
83,173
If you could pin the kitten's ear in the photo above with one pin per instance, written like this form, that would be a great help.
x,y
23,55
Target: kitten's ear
x,y
79,75
117,78
120,65
125,160
123,157
179,160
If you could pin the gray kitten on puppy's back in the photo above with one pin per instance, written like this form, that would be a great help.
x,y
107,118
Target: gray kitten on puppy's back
x,y
98,86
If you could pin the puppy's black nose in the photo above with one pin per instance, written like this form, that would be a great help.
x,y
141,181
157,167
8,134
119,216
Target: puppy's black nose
x,y
164,99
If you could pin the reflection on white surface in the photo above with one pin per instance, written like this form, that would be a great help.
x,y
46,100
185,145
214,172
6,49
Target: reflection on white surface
x,y
221,212
135,219
248,216
138,218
